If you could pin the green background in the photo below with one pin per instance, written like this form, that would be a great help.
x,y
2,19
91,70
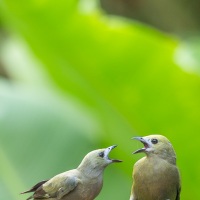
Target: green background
x,y
81,80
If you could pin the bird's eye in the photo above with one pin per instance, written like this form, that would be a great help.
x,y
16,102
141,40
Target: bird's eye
x,y
101,154
154,141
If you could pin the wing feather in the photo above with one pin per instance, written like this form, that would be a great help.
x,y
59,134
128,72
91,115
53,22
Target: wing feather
x,y
57,187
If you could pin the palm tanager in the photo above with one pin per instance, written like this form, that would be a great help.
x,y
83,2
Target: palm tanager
x,y
83,183
155,176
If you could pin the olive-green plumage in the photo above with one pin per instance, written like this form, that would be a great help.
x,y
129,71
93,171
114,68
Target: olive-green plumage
x,y
83,183
155,176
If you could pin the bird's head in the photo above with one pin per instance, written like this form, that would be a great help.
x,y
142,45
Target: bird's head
x,y
98,159
157,145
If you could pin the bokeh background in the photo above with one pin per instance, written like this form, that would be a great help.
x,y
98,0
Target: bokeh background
x,y
78,75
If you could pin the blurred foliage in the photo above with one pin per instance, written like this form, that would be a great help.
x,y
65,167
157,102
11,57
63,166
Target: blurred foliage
x,y
178,17
98,81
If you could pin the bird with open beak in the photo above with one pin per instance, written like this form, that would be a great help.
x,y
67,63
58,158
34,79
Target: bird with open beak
x,y
83,183
155,176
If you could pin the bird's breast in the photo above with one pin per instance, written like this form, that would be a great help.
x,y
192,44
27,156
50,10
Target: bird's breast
x,y
155,179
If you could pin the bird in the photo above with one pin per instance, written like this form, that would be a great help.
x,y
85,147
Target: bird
x,y
156,176
83,183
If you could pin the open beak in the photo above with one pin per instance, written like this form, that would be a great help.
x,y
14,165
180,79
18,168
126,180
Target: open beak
x,y
107,152
145,143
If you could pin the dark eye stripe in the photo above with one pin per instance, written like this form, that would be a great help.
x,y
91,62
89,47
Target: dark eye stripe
x,y
154,141
101,154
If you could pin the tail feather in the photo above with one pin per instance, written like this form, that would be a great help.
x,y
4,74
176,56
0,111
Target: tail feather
x,y
34,188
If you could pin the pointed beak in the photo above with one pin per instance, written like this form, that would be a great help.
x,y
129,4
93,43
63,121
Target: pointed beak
x,y
112,147
107,152
138,138
144,141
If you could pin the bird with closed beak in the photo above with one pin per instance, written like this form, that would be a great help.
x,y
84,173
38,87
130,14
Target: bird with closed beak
x,y
156,176
83,183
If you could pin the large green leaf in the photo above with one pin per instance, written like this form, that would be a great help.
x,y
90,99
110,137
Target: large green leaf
x,y
123,71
